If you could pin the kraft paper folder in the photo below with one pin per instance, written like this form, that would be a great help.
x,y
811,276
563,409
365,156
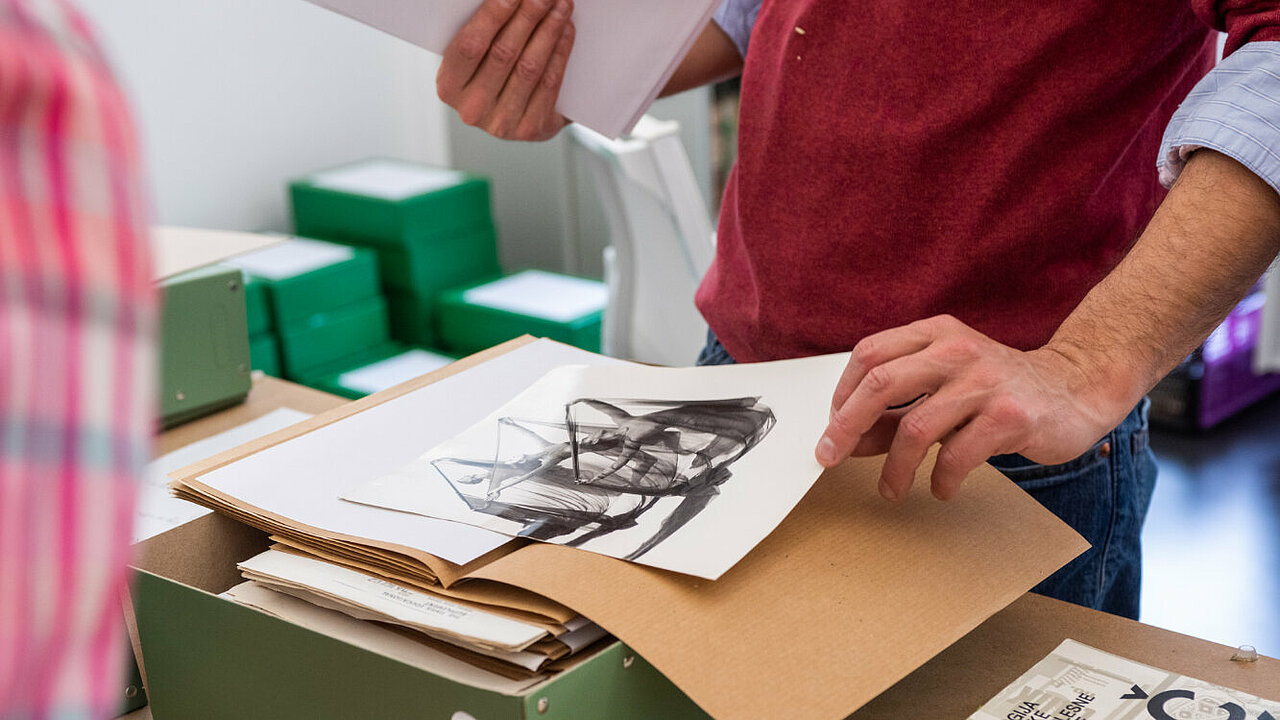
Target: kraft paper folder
x,y
848,596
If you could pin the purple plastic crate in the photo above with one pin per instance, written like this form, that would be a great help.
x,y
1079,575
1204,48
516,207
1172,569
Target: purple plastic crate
x,y
1228,383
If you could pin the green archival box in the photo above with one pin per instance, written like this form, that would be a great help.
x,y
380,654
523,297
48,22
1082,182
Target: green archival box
x,y
257,300
264,353
473,318
332,336
204,343
388,202
347,275
208,657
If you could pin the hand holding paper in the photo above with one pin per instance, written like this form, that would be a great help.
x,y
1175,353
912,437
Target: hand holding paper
x,y
502,71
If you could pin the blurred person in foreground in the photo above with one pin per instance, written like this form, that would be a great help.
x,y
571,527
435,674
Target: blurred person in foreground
x,y
76,365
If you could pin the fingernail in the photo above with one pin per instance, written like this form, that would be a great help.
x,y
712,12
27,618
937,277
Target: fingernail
x,y
826,450
887,492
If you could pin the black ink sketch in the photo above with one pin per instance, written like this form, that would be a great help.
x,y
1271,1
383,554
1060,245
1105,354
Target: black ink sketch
x,y
608,463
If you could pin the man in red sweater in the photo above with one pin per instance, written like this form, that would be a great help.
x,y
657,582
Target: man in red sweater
x,y
963,196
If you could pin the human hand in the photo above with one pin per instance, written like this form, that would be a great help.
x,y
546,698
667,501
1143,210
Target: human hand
x,y
502,71
975,396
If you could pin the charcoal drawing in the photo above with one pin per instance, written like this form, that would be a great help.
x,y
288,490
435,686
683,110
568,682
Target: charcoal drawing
x,y
607,464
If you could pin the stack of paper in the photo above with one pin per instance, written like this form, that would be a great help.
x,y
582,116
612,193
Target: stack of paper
x,y
624,51
523,644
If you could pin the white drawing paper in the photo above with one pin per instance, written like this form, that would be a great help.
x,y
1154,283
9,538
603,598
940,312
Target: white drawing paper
x,y
303,478
158,510
1077,681
624,51
684,469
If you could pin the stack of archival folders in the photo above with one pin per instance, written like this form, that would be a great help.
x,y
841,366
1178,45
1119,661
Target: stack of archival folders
x,y
502,629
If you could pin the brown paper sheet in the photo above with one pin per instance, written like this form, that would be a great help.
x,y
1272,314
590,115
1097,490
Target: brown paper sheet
x,y
848,596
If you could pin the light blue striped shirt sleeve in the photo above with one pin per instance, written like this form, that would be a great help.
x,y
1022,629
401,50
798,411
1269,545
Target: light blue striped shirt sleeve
x,y
736,18
1234,110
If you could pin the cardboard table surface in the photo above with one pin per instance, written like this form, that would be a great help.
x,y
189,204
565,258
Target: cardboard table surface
x,y
960,679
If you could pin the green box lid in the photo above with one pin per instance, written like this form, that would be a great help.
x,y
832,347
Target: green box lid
x,y
389,202
306,277
328,337
560,307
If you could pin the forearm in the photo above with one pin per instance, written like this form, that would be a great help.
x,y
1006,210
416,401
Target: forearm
x,y
712,58
1210,240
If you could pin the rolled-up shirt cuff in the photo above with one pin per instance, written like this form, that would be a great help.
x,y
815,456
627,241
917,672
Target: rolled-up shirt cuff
x,y
736,18
1234,110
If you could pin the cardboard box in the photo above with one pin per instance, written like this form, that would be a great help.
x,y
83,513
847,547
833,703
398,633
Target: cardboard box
x,y
211,658
846,597
481,315
329,337
389,203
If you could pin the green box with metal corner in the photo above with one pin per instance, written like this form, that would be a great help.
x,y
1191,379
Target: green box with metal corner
x,y
204,343
211,658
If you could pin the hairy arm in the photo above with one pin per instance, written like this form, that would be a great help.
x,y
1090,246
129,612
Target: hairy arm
x,y
1213,236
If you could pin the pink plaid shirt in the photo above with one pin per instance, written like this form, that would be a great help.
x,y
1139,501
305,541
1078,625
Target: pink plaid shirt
x,y
76,364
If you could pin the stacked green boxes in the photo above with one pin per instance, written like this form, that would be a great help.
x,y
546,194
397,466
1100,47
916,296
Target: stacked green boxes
x,y
264,345
560,307
431,229
324,301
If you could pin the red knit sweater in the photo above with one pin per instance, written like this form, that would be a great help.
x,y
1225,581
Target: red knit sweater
x,y
902,159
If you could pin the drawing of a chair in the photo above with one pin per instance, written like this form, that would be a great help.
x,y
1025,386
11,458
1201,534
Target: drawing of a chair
x,y
661,239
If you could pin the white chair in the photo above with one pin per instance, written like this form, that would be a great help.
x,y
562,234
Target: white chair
x,y
661,240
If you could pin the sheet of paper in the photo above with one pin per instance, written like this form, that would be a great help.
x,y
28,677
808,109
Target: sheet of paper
x,y
387,179
303,478
1076,681
291,257
394,603
374,638
677,468
624,51
159,511
542,294
394,370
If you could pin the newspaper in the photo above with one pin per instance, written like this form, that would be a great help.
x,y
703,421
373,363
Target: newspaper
x,y
1077,682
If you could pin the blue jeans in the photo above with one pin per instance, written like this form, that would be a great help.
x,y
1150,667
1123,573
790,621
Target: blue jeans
x,y
1104,494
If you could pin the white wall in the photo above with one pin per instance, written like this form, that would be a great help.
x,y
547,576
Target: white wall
x,y
234,97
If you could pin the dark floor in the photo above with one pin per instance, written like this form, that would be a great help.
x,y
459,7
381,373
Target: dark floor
x,y
1212,540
